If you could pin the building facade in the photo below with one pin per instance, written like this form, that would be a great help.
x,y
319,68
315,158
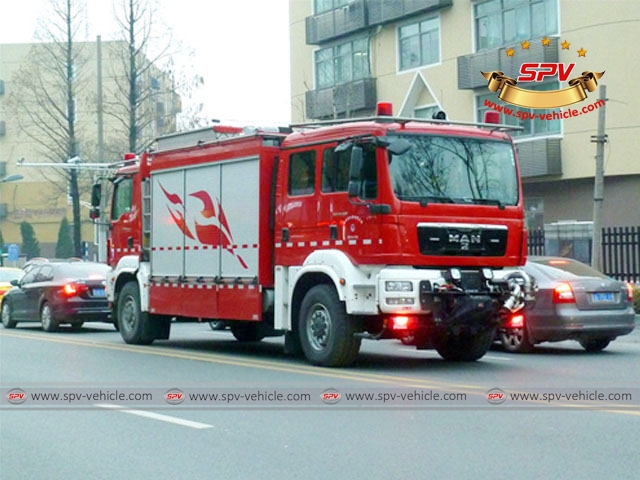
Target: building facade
x,y
40,197
428,55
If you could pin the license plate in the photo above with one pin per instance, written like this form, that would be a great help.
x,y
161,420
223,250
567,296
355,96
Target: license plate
x,y
99,292
602,297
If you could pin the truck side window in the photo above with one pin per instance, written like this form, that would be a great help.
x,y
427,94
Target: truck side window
x,y
335,171
122,198
302,173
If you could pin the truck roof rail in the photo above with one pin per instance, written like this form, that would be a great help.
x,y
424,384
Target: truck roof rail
x,y
405,120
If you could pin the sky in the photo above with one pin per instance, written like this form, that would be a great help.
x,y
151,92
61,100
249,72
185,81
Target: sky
x,y
240,47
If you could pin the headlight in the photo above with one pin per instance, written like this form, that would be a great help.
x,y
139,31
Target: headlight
x,y
398,286
400,301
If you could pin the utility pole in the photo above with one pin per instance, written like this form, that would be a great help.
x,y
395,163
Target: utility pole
x,y
598,188
100,232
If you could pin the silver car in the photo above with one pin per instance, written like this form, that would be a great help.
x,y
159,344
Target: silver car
x,y
573,302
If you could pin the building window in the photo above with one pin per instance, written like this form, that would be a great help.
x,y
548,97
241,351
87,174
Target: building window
x,y
419,44
342,63
538,126
320,6
534,213
500,22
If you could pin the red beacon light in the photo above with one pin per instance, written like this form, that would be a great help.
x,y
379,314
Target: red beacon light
x,y
384,109
129,156
492,117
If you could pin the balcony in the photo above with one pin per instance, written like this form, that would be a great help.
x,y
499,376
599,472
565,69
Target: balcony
x,y
336,23
341,100
538,158
358,15
470,66
385,11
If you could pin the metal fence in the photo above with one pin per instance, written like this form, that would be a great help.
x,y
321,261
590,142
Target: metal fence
x,y
620,251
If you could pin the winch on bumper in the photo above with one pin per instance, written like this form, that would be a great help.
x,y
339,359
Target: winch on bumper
x,y
426,304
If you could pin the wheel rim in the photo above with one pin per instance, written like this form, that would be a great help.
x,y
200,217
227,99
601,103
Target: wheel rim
x,y
513,337
6,316
127,317
319,327
45,316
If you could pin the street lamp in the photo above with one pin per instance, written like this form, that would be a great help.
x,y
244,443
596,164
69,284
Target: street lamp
x,y
12,178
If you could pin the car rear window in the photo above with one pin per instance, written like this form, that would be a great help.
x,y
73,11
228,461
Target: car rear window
x,y
81,270
573,267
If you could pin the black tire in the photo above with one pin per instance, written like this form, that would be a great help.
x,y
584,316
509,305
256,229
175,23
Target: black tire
x,y
327,333
131,319
515,340
594,344
247,331
7,322
217,325
464,347
49,324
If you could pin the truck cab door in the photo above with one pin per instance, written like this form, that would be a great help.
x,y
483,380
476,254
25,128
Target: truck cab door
x,y
124,220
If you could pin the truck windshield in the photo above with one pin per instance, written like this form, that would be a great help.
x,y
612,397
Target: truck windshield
x,y
455,170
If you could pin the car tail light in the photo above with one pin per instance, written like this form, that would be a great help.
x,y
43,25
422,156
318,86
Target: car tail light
x,y
629,292
74,289
516,321
563,293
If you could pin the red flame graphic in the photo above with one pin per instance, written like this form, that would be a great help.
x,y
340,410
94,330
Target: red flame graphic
x,y
215,232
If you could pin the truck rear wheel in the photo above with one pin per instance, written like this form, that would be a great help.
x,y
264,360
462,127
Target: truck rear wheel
x,y
327,334
465,346
131,319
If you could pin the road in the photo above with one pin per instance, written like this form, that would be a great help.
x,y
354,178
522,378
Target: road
x,y
394,441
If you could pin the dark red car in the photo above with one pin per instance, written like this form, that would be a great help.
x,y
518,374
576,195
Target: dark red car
x,y
55,293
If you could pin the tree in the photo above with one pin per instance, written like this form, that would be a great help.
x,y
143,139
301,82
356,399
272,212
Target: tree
x,y
30,244
46,102
64,247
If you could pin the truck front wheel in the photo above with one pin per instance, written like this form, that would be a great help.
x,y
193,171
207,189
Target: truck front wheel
x,y
131,319
464,346
327,334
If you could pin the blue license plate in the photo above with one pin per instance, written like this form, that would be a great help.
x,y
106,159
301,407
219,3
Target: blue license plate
x,y
99,292
602,297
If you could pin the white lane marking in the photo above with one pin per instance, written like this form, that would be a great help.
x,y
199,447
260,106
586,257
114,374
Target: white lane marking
x,y
157,416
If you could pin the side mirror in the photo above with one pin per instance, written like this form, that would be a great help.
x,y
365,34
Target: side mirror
x,y
15,283
96,195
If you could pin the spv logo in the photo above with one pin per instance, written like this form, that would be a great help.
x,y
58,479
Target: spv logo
x,y
331,396
174,396
16,396
495,396
537,72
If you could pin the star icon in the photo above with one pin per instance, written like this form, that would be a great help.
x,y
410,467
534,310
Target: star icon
x,y
565,45
525,45
546,42
582,52
510,52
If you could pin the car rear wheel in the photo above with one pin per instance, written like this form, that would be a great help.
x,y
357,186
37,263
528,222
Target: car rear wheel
x,y
594,344
248,331
464,346
49,324
217,325
515,340
7,322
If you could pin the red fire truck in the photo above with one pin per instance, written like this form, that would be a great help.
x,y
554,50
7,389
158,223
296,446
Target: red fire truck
x,y
327,233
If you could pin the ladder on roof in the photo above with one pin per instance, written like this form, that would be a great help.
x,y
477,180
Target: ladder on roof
x,y
194,138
